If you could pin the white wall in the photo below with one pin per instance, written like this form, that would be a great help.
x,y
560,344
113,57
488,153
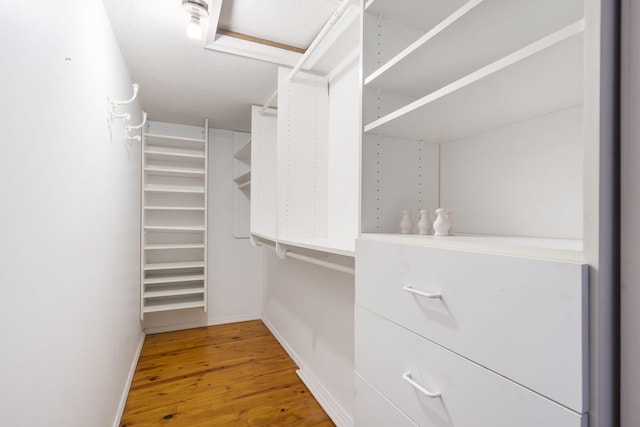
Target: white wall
x,y
310,310
234,266
69,221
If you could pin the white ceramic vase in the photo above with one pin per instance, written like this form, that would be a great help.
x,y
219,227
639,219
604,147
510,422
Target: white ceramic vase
x,y
406,224
442,224
424,226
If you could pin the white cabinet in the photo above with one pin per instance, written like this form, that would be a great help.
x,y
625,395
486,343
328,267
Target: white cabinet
x,y
174,217
492,109
436,387
526,319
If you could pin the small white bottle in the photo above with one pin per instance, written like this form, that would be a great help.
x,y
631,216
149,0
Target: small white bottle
x,y
424,226
442,223
406,224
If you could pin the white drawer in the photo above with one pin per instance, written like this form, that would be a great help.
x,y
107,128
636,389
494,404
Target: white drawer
x,y
470,395
523,318
374,410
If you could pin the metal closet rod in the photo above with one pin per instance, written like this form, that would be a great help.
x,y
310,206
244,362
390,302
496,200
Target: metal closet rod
x,y
314,45
287,253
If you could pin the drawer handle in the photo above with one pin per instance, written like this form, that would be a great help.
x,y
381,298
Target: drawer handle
x,y
409,289
407,377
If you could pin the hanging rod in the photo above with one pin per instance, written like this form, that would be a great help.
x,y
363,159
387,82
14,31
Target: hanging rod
x,y
314,45
287,253
331,265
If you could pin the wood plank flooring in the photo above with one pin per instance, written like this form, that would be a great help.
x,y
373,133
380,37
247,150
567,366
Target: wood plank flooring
x,y
228,375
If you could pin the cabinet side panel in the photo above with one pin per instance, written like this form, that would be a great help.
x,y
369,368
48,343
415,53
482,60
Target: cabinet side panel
x,y
524,179
343,155
303,110
263,172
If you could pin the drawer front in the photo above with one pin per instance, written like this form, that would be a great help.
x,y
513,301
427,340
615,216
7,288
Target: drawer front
x,y
373,410
470,395
523,318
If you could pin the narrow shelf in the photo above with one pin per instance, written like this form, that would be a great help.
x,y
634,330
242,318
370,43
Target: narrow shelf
x,y
242,178
244,184
462,38
151,247
492,96
418,14
243,153
164,155
532,247
168,171
173,265
165,304
174,279
173,137
195,228
173,208
173,189
174,291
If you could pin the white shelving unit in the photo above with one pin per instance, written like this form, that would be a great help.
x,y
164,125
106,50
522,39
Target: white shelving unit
x,y
305,156
242,183
460,98
174,218
498,111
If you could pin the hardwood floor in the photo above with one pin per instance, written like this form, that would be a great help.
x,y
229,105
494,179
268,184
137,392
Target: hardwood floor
x,y
227,375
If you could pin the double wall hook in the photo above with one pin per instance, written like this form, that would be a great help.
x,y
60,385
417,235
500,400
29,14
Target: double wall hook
x,y
128,128
112,105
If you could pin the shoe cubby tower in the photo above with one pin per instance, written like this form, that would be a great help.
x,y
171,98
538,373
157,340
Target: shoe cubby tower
x,y
174,217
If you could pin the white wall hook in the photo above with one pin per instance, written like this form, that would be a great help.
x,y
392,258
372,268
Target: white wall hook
x,y
144,121
112,105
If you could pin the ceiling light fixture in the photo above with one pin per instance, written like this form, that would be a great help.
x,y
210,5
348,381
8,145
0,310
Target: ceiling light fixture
x,y
196,9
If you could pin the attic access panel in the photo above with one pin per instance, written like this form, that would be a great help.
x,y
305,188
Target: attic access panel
x,y
277,31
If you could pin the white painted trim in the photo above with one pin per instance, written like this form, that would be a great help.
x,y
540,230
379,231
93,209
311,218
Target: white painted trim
x,y
210,322
330,405
235,319
127,386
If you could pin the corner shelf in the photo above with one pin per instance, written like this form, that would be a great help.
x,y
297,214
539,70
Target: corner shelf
x,y
174,218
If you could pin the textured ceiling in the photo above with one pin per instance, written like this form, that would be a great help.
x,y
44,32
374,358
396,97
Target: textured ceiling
x,y
181,82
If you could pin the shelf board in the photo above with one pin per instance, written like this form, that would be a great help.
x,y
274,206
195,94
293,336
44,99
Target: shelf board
x,y
174,279
173,208
418,14
243,153
173,189
532,247
173,265
173,137
547,74
164,155
463,40
195,228
242,178
155,170
153,306
151,247
174,291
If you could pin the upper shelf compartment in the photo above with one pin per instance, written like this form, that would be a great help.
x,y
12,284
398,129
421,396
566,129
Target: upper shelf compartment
x,y
474,35
419,14
546,74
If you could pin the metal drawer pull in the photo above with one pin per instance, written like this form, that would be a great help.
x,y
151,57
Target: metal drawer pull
x,y
407,377
408,288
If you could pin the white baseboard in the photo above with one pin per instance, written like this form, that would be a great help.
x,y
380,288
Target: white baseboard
x,y
210,322
334,410
127,386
